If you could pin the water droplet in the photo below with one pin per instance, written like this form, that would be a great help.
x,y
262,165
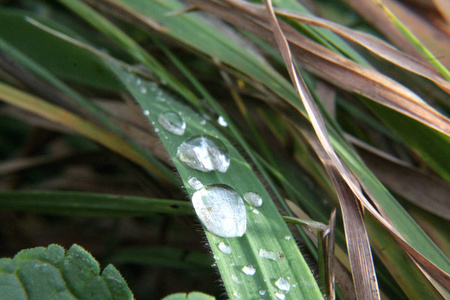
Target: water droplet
x,y
272,255
195,183
224,248
153,86
287,237
253,199
147,112
202,122
237,295
249,270
204,153
280,295
160,96
262,292
138,81
156,129
143,90
255,211
235,279
222,121
221,210
283,283
172,122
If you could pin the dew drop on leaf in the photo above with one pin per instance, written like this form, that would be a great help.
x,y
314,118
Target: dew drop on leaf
x,y
221,210
204,153
287,237
195,183
272,255
143,90
224,248
222,121
253,199
283,284
249,270
280,295
146,112
172,122
262,292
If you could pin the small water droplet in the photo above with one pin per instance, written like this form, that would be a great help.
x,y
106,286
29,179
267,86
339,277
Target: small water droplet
x,y
172,122
195,183
160,96
222,121
272,255
147,112
138,81
204,153
156,129
249,270
221,210
153,86
262,292
295,285
143,90
255,211
280,295
224,248
287,237
202,122
253,199
237,295
235,279
283,283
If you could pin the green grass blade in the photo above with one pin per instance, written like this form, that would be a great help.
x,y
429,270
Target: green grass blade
x,y
90,205
265,227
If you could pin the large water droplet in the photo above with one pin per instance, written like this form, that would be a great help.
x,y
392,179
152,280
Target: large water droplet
x,y
272,255
253,199
283,284
204,153
221,210
195,183
249,270
172,122
224,248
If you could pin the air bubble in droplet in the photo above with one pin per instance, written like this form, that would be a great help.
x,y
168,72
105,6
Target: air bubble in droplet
x,y
195,183
222,121
221,210
249,270
224,248
272,255
204,153
280,295
253,199
172,122
283,283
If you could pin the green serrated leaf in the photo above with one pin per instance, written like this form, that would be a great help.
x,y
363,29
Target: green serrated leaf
x,y
49,273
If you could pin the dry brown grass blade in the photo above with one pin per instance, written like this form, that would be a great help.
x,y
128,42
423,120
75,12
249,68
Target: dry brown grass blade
x,y
330,66
358,245
407,181
329,256
375,45
373,14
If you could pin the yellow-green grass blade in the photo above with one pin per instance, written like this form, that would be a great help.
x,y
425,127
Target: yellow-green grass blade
x,y
53,113
90,205
266,229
